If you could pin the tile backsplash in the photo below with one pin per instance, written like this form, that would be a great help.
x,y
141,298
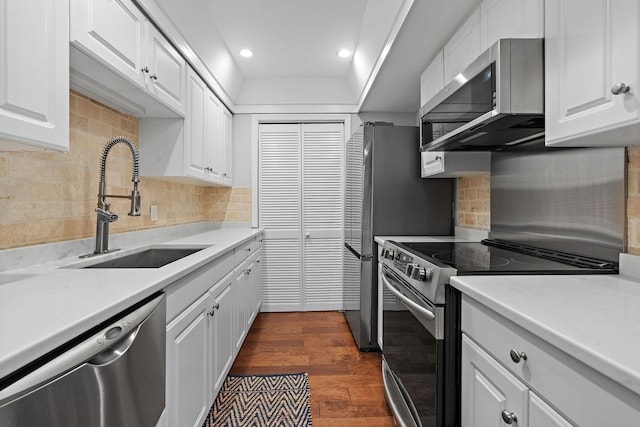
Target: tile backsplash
x,y
633,201
49,197
474,202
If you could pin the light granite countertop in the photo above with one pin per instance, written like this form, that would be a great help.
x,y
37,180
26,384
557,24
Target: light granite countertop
x,y
594,318
45,305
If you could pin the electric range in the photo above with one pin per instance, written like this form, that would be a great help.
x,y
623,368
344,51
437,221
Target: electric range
x,y
421,334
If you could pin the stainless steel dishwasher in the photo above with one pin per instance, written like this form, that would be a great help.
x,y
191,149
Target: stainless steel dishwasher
x,y
111,376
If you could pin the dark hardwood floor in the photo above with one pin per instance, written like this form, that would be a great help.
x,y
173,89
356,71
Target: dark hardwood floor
x,y
346,384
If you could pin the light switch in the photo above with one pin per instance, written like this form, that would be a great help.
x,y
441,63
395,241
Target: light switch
x,y
154,212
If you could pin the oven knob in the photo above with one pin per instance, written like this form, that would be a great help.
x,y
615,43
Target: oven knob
x,y
409,269
420,273
390,254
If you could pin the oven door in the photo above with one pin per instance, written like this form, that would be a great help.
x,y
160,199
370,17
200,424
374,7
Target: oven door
x,y
413,354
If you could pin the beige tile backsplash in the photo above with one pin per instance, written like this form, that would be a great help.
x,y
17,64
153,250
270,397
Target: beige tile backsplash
x,y
474,202
48,197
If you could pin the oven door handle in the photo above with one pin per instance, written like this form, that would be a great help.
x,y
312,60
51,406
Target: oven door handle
x,y
420,309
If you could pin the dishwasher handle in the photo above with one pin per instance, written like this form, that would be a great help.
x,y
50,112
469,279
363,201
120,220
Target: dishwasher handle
x,y
101,348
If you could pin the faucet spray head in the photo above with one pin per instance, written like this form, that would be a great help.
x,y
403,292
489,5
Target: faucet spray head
x,y
135,201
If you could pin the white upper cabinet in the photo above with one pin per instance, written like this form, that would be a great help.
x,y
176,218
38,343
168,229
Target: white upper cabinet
x,y
502,19
592,73
166,70
463,47
198,147
114,31
226,135
432,79
120,58
34,81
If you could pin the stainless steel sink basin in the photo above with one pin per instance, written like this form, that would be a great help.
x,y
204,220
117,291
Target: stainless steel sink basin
x,y
150,258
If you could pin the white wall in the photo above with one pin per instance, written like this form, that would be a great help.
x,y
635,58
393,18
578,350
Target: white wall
x,y
269,91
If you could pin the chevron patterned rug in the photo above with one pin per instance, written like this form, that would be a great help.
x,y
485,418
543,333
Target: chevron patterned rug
x,y
262,401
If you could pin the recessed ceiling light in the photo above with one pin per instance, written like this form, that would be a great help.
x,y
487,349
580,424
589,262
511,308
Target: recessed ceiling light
x,y
247,53
344,53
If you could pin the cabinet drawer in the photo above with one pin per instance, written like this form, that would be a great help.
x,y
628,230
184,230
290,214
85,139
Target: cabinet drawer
x,y
186,290
246,249
582,394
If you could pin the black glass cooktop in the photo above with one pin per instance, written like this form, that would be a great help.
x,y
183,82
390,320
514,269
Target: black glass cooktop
x,y
500,257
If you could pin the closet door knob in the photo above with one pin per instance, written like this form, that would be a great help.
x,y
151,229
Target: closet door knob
x,y
509,417
620,88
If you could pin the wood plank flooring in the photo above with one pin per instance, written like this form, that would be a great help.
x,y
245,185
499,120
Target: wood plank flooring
x,y
346,384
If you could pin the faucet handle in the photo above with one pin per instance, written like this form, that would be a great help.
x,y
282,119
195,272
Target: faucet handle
x,y
106,215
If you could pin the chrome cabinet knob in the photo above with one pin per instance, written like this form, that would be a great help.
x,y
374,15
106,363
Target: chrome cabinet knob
x,y
509,417
145,70
517,356
217,306
620,88
154,77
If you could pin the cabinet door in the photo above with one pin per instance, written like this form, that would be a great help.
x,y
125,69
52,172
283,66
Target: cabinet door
x,y
543,415
214,142
488,390
34,81
590,46
432,79
227,166
221,340
502,19
113,32
167,70
240,297
195,127
256,277
463,47
187,362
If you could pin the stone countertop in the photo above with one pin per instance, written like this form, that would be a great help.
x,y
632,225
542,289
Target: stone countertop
x,y
594,318
45,305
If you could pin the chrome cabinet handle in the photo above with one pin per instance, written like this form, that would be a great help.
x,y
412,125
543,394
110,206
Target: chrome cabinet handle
x,y
620,88
145,70
517,356
154,77
509,417
213,309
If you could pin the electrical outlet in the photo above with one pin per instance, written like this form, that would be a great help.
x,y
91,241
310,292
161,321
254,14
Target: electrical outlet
x,y
154,212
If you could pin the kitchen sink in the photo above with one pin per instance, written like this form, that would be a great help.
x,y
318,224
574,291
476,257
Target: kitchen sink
x,y
149,258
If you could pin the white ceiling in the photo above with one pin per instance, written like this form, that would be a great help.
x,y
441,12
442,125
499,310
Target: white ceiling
x,y
295,44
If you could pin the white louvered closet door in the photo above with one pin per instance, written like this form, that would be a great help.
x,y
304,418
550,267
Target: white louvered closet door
x,y
280,214
300,208
322,215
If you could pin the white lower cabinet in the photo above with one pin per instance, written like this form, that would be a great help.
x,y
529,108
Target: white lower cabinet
x,y
187,363
204,338
220,342
492,396
510,374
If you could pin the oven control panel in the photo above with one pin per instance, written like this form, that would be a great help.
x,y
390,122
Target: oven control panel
x,y
406,264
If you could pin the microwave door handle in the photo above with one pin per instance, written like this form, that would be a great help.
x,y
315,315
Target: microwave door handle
x,y
420,309
473,125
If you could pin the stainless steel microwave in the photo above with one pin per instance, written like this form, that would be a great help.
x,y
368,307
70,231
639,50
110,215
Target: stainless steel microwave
x,y
495,103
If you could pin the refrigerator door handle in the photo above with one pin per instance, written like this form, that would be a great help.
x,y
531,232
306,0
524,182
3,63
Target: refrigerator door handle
x,y
357,255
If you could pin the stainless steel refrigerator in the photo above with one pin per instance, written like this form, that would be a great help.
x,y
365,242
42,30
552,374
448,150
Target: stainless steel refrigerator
x,y
384,196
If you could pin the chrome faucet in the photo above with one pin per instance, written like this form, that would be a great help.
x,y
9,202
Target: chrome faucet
x,y
104,215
